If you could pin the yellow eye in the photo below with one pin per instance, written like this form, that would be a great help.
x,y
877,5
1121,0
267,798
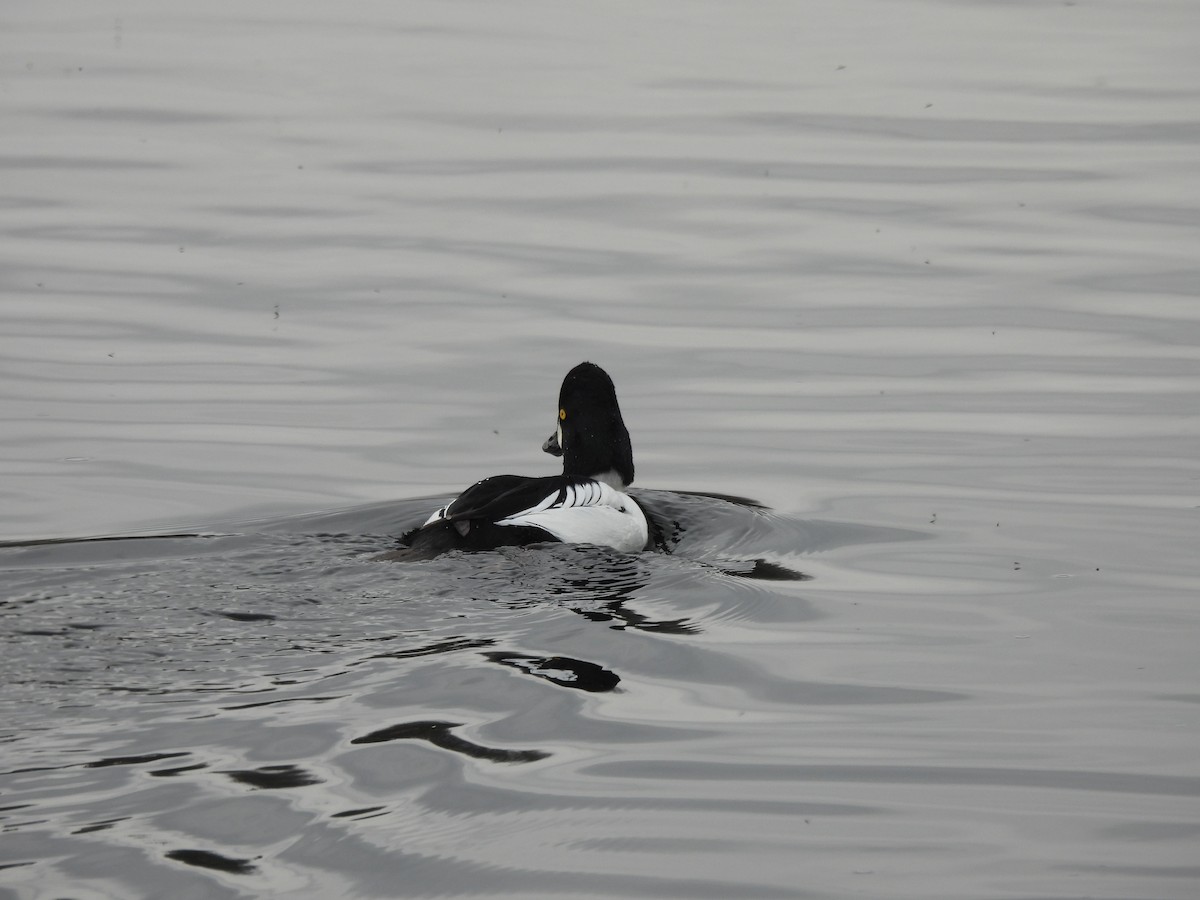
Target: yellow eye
x,y
562,415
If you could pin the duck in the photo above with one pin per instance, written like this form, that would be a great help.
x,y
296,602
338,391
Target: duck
x,y
586,504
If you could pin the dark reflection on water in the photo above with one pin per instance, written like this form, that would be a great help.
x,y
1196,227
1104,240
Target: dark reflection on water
x,y
565,672
439,734
131,760
207,859
274,777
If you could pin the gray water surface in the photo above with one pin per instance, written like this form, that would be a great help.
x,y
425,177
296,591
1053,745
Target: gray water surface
x,y
919,277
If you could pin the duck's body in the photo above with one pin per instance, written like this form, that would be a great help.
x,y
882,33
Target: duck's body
x,y
586,504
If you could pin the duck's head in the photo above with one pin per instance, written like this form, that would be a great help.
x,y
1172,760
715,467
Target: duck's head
x,y
590,434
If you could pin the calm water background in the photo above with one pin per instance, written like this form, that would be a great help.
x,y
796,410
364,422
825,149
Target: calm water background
x,y
921,276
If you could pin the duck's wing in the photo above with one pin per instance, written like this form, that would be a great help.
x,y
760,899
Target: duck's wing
x,y
514,509
501,496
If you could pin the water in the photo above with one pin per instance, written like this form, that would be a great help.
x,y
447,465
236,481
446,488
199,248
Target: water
x,y
919,277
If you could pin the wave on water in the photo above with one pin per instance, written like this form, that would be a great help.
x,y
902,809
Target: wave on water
x,y
208,608
282,659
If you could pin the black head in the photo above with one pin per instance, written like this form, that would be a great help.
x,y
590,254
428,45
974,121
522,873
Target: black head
x,y
591,436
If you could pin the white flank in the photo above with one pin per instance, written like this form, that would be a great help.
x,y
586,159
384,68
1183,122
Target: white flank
x,y
591,513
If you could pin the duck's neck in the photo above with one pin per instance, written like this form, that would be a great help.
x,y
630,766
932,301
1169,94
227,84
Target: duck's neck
x,y
612,478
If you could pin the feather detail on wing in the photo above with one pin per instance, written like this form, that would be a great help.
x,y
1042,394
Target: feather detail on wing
x,y
575,494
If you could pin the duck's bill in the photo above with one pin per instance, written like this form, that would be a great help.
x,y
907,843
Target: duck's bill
x,y
552,446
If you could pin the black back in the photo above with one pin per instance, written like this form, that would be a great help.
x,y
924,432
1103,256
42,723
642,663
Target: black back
x,y
501,496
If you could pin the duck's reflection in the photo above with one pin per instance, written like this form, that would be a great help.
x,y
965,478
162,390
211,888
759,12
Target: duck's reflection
x,y
597,583
561,670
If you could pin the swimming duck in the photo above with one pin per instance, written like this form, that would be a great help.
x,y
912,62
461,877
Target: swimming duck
x,y
586,504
